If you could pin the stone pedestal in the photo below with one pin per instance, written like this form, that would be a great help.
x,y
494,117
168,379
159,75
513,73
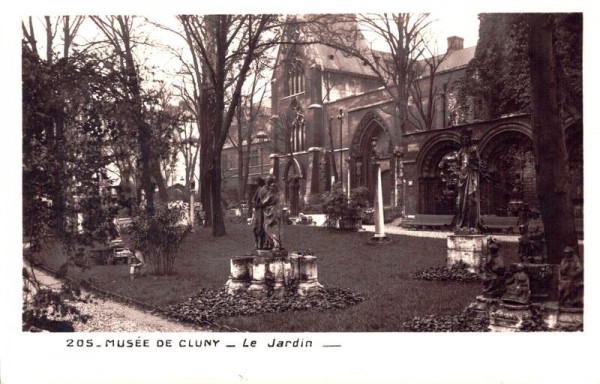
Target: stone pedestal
x,y
307,281
276,274
240,275
273,272
483,306
505,317
258,287
570,318
470,249
543,281
509,317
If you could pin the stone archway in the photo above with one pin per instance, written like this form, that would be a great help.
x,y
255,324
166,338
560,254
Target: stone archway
x,y
370,127
507,154
293,177
436,165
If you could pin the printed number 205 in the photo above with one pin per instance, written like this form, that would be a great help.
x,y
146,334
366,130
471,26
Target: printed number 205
x,y
80,343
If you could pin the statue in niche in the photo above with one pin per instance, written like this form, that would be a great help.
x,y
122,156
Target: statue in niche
x,y
531,242
517,287
467,219
493,271
272,219
570,283
258,218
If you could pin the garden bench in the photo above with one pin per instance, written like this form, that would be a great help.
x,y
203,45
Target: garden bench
x,y
423,221
491,223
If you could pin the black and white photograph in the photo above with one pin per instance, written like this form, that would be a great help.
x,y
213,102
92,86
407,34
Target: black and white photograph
x,y
252,196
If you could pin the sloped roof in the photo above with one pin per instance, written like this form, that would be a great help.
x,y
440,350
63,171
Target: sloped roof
x,y
457,59
332,59
335,60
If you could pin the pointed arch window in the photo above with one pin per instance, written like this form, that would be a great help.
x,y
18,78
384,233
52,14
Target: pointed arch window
x,y
295,73
298,129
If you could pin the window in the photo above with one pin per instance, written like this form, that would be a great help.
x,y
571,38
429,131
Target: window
x,y
295,73
298,130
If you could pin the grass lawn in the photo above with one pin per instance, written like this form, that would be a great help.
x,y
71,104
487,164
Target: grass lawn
x,y
381,274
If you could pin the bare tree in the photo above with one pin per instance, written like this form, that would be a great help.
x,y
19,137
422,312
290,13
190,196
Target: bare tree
x,y
227,45
248,117
120,35
403,37
423,93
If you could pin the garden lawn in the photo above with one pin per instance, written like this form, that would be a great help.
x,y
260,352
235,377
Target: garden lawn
x,y
382,274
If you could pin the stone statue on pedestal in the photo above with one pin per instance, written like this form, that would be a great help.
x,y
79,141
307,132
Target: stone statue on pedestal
x,y
493,271
272,219
531,242
570,283
467,219
517,287
258,218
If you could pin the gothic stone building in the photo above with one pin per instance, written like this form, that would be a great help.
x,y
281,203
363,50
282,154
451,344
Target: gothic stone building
x,y
325,100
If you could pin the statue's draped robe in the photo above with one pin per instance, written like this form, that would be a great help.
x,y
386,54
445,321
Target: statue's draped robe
x,y
258,218
467,201
271,209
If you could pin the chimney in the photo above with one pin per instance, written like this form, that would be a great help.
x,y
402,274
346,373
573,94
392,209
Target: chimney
x,y
455,43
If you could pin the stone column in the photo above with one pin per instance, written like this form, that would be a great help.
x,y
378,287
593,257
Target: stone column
x,y
380,237
258,287
308,275
312,174
240,275
276,269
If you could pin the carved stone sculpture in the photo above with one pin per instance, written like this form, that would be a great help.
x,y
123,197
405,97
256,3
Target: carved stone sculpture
x,y
570,283
258,218
531,242
493,272
271,211
467,220
517,287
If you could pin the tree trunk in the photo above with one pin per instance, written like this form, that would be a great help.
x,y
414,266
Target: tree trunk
x,y
550,151
218,227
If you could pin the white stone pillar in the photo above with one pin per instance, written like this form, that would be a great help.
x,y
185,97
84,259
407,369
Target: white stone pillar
x,y
276,267
259,285
240,274
380,236
308,275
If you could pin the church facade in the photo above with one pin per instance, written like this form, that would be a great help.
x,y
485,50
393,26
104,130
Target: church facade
x,y
329,112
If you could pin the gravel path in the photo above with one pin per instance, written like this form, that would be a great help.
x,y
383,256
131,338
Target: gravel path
x,y
393,228
110,316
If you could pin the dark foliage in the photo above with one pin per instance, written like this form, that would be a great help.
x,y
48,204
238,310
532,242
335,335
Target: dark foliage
x,y
209,305
497,81
457,272
467,321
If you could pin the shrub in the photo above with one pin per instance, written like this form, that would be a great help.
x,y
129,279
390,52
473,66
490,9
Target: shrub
x,y
391,213
159,235
337,207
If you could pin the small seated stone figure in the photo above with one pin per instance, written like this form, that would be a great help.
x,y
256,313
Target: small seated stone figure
x,y
493,271
531,242
570,283
517,287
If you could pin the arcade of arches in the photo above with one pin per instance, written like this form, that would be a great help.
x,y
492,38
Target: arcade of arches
x,y
425,179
